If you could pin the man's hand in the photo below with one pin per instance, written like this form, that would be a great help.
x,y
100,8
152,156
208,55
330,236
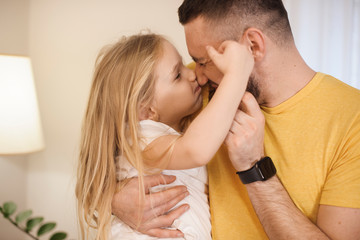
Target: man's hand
x,y
245,141
152,216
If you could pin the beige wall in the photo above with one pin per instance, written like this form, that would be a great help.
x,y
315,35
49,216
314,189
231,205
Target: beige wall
x,y
14,15
12,188
64,39
13,40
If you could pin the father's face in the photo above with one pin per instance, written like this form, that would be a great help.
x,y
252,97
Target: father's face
x,y
199,35
197,38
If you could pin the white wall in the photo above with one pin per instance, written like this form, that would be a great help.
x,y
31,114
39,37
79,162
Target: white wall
x,y
327,34
65,37
13,40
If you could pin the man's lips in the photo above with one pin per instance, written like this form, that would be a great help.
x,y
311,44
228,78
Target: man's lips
x,y
213,85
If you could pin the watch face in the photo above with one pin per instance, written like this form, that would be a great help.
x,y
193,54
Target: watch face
x,y
266,167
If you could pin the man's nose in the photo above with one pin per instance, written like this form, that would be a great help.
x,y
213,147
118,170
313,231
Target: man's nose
x,y
201,78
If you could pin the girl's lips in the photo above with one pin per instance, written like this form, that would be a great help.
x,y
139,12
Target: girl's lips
x,y
197,89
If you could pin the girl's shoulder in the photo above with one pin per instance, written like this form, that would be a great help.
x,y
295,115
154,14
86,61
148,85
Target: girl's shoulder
x,y
150,130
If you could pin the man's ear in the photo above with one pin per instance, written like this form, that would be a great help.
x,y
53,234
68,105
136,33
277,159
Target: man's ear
x,y
148,112
255,40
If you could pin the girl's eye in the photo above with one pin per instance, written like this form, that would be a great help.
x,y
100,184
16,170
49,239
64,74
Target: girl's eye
x,y
178,76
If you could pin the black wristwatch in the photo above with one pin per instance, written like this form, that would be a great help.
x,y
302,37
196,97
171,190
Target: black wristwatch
x,y
261,171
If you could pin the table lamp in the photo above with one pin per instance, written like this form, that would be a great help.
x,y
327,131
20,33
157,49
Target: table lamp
x,y
20,125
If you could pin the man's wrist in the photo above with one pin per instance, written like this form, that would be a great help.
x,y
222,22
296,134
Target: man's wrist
x,y
262,170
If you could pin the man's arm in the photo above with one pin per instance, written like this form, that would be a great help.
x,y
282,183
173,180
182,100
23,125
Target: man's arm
x,y
277,213
339,222
153,216
281,219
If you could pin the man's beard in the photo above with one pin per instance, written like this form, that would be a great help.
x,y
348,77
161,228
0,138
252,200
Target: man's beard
x,y
253,87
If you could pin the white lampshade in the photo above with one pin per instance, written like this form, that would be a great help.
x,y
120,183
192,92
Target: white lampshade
x,y
20,125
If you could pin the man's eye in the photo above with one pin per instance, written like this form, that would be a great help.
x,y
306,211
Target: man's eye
x,y
204,64
178,76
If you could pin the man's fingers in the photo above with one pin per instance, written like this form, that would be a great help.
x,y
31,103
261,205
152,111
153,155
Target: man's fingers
x,y
154,180
166,206
250,106
166,220
240,118
164,233
166,197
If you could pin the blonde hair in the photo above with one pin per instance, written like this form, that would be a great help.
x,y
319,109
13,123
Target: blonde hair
x,y
123,80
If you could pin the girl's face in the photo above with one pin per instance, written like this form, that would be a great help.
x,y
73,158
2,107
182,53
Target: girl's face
x,y
177,93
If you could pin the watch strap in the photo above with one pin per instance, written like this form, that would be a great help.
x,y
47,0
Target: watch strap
x,y
250,175
261,171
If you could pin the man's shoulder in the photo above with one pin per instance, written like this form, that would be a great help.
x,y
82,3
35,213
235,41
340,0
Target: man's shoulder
x,y
340,92
340,87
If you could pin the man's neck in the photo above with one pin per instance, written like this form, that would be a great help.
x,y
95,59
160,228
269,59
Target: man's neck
x,y
285,74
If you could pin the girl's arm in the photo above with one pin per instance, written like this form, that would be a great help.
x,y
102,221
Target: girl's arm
x,y
208,130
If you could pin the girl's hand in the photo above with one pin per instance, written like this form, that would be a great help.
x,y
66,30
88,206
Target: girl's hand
x,y
232,58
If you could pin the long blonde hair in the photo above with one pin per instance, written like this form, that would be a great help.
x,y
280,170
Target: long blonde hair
x,y
123,79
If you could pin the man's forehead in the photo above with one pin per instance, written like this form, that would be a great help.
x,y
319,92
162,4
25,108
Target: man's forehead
x,y
197,49
197,38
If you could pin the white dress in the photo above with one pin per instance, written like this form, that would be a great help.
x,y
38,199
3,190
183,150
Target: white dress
x,y
195,223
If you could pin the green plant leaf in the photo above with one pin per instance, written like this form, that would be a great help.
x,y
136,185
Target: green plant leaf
x,y
1,210
47,227
8,209
31,223
22,216
58,236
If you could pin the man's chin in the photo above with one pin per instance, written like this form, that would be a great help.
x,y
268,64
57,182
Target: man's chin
x,y
253,87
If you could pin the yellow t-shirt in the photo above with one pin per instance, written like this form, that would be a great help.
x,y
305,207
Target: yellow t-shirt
x,y
314,141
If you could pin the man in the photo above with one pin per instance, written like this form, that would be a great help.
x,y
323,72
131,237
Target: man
x,y
312,135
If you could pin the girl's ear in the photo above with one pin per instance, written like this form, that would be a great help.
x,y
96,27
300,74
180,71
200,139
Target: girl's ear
x,y
255,40
153,114
148,113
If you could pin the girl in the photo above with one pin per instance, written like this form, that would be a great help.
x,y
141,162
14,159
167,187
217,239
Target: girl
x,y
141,98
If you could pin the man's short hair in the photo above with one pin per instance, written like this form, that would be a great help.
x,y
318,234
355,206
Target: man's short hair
x,y
230,18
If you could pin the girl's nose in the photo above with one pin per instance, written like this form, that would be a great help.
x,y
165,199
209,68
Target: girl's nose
x,y
201,78
191,75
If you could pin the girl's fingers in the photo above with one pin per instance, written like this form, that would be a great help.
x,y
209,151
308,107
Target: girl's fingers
x,y
213,54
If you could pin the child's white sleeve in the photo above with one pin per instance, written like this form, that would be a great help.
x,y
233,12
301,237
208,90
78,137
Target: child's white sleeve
x,y
150,130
